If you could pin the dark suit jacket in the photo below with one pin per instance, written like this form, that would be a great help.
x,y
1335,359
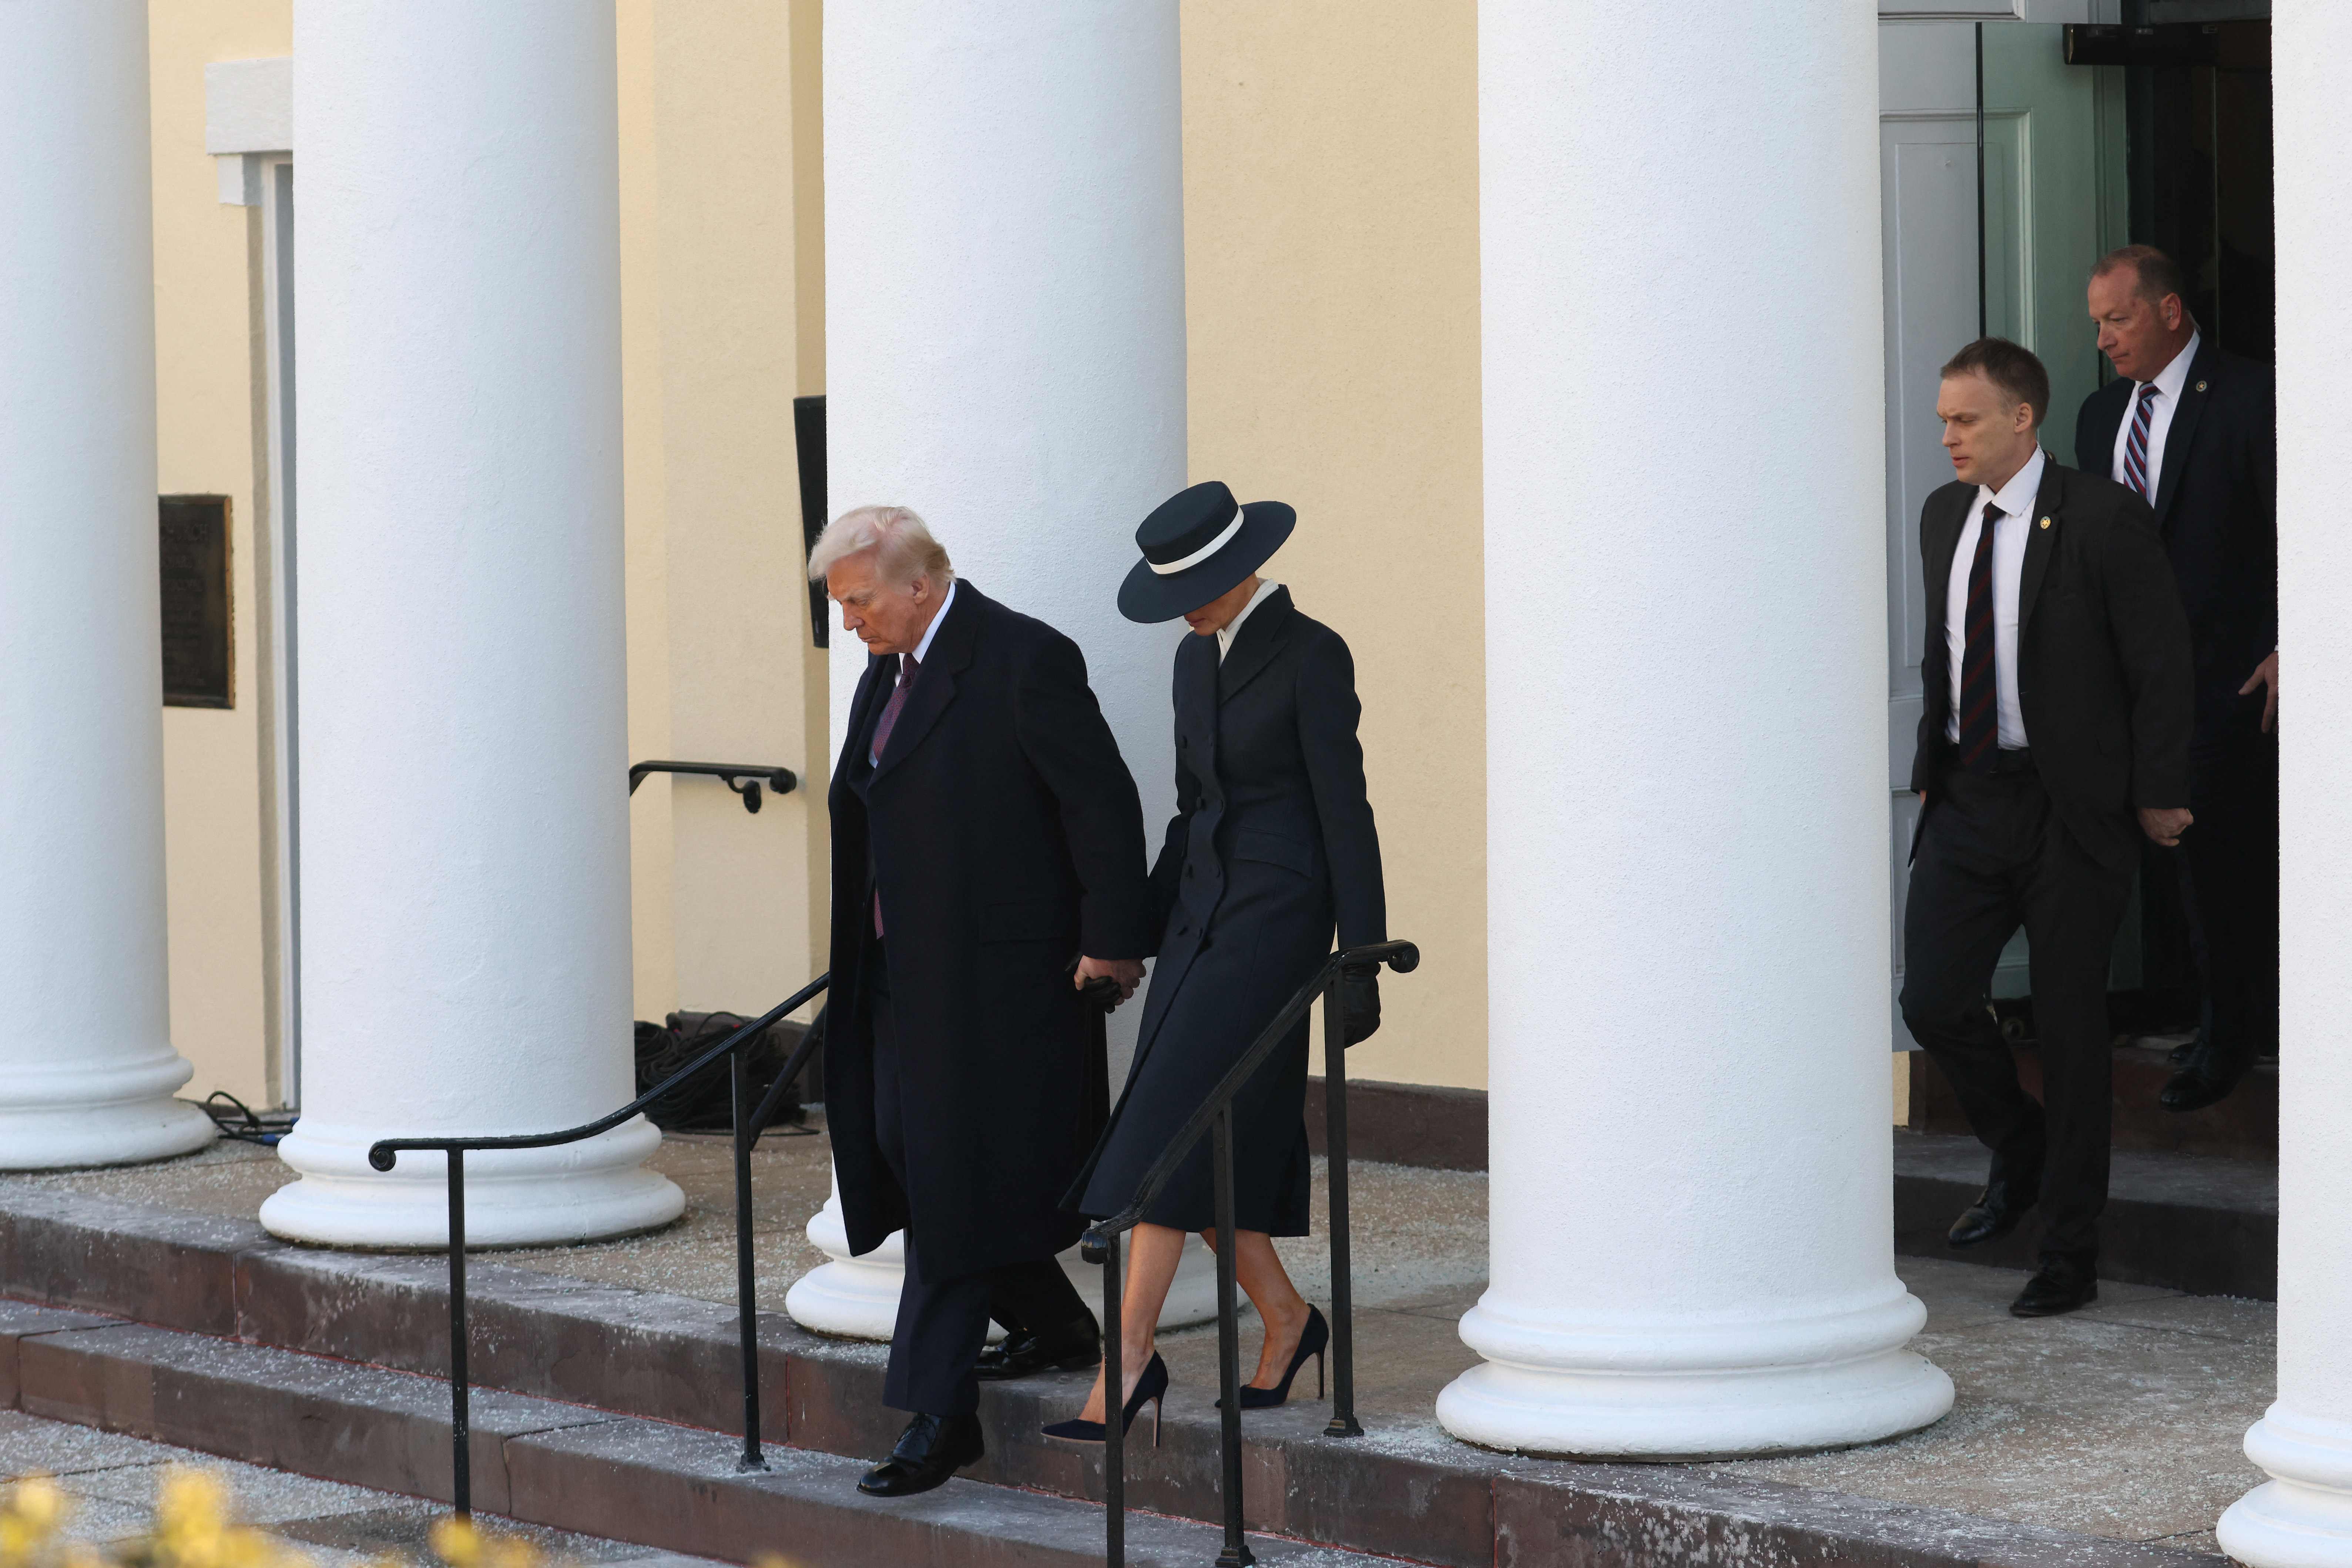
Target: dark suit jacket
x,y
2217,510
1271,850
1267,761
1005,835
2103,659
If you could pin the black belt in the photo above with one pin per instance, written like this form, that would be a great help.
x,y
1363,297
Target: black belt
x,y
2005,759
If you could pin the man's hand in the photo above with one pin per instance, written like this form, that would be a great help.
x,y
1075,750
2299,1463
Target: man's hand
x,y
1127,971
2164,823
2265,674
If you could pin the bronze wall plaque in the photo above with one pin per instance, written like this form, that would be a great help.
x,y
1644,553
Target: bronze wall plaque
x,y
199,652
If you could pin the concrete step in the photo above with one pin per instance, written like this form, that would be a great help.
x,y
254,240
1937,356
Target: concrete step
x,y
543,1462
603,1354
2243,1127
2184,1222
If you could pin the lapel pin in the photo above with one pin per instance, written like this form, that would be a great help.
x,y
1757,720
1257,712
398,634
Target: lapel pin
x,y
2201,386
2045,522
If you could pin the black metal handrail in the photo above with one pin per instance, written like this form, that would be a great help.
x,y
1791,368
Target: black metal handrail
x,y
1100,1244
750,1122
743,778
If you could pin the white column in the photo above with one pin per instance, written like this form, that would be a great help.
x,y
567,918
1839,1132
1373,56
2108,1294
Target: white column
x,y
1004,344
2303,1516
465,831
1691,1228
87,1068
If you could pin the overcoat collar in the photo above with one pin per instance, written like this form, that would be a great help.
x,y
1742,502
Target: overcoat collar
x,y
1256,644
2183,428
935,684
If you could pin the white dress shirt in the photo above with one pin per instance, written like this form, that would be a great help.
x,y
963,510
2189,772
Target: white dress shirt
x,y
1232,629
2010,530
2167,383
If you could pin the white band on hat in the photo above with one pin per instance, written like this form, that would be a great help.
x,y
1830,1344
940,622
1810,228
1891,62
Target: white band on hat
x,y
1173,567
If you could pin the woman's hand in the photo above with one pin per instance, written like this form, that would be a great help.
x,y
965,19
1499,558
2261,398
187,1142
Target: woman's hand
x,y
1361,995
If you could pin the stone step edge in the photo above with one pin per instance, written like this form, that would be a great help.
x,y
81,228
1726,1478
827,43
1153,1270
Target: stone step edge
x,y
541,1462
675,1359
672,1358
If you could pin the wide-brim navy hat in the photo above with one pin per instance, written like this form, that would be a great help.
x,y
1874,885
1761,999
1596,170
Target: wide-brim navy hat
x,y
1198,545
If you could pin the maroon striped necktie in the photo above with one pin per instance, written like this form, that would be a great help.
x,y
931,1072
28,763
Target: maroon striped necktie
x,y
1979,682
2136,446
909,668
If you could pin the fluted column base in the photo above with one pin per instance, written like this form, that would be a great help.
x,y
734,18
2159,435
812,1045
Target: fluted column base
x,y
2303,1518
1646,1390
857,1298
58,1118
523,1197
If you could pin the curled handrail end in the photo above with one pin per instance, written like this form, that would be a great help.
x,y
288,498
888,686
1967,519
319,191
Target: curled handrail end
x,y
1366,961
1095,1246
383,1156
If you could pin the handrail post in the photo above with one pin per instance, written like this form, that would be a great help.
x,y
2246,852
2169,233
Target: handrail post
x,y
461,1472
1236,1552
1113,1408
1335,1142
746,1282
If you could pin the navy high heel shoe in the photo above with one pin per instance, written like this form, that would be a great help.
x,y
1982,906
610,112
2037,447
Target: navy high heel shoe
x,y
1149,1389
1312,1340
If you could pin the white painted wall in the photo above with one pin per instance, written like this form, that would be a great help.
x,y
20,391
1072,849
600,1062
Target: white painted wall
x,y
464,836
2303,1517
87,1068
1691,1235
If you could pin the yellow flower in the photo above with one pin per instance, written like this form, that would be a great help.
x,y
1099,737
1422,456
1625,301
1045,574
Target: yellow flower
x,y
37,1500
456,1542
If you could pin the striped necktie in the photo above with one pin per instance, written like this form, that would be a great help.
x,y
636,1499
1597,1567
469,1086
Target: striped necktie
x,y
1980,681
2135,447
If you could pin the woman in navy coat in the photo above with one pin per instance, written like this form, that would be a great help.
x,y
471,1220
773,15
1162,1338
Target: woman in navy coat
x,y
1272,850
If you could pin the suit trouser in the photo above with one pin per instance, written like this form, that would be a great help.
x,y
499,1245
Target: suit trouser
x,y
942,1324
1993,856
2232,855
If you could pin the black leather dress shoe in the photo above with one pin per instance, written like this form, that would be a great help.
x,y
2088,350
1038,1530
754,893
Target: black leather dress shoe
x,y
930,1450
2062,1284
1995,1212
2178,1054
1070,1348
2207,1077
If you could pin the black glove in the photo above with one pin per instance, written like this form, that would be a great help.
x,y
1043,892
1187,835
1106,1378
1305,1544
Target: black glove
x,y
1360,994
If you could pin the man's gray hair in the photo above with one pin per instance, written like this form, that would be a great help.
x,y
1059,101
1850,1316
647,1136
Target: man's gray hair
x,y
904,548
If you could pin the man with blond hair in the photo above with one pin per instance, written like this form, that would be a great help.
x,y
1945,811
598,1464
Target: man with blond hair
x,y
988,860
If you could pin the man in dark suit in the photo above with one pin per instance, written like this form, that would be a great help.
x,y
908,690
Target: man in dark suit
x,y
2057,679
988,860
2194,432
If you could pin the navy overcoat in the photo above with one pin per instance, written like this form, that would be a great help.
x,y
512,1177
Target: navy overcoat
x,y
1004,834
1271,848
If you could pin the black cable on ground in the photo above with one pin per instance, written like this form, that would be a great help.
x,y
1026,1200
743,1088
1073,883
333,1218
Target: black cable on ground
x,y
239,1120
